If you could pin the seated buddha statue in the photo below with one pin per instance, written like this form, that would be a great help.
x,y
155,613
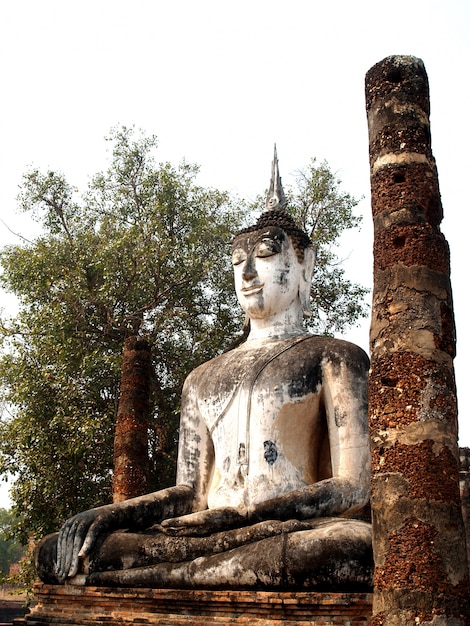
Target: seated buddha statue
x,y
273,471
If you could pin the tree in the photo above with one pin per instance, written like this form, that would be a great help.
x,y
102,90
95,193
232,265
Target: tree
x,y
10,550
325,211
144,252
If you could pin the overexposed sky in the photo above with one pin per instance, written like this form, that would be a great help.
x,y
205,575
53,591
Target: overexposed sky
x,y
219,82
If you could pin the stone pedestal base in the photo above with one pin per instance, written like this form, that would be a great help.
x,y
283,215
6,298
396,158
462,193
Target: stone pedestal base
x,y
93,606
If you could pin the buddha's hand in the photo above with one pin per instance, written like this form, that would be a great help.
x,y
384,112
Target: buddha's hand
x,y
78,535
205,522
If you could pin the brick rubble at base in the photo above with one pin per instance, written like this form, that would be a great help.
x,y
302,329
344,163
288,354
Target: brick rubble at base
x,y
97,606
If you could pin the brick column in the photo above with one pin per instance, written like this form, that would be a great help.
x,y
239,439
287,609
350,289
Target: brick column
x,y
131,458
419,541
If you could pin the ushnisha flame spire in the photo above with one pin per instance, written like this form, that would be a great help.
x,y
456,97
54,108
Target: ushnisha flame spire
x,y
275,198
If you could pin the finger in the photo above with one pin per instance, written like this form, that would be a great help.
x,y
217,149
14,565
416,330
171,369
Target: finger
x,y
71,564
173,531
187,531
172,522
58,559
192,519
61,545
90,537
69,557
79,534
63,550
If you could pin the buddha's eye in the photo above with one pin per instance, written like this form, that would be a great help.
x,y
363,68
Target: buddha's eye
x,y
267,247
238,256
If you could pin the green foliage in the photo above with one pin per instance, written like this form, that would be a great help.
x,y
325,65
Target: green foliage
x,y
325,211
10,550
145,250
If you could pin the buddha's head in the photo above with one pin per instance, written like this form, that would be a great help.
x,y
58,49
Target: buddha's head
x,y
273,260
273,264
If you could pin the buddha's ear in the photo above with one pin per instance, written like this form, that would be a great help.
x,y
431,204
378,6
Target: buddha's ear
x,y
308,263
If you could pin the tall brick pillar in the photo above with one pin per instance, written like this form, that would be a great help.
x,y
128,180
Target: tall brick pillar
x,y
419,541
131,458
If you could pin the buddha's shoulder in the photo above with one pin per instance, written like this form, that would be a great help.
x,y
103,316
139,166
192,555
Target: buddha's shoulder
x,y
309,350
336,350
315,351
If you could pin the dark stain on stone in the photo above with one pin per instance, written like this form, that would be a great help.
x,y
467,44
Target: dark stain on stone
x,y
270,452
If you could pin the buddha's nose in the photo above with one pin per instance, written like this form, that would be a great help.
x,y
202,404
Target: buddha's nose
x,y
249,268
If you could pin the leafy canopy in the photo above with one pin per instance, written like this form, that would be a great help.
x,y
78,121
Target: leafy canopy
x,y
325,211
10,551
144,250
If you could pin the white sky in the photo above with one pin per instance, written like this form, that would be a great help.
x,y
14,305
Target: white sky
x,y
219,82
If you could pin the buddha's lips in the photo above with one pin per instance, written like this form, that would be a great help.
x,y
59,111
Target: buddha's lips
x,y
248,291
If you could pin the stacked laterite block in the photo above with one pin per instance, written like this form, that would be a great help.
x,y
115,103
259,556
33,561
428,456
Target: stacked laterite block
x,y
132,423
99,606
421,572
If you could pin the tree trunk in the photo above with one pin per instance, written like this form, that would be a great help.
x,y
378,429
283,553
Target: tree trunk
x,y
421,574
131,458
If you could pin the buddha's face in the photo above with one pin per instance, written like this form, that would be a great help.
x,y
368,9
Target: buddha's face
x,y
267,272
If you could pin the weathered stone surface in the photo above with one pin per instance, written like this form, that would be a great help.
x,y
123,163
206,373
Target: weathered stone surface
x,y
333,554
273,435
421,573
411,189
330,543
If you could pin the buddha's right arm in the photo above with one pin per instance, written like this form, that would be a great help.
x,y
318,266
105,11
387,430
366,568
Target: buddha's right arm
x,y
79,534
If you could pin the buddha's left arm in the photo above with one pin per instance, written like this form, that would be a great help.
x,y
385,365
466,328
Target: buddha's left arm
x,y
344,400
345,397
